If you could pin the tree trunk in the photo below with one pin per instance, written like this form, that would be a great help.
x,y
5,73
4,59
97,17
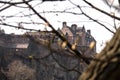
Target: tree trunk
x,y
106,65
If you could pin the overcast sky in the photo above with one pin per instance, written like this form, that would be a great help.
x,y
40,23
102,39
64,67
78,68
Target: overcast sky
x,y
56,19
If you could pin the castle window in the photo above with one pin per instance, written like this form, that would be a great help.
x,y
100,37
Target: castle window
x,y
16,49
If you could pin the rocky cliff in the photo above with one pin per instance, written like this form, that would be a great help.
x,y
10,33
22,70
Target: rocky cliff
x,y
39,62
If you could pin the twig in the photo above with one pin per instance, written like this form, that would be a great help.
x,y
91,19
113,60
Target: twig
x,y
110,15
91,17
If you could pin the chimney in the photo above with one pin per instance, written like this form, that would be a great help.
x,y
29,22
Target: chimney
x,y
89,31
64,24
73,27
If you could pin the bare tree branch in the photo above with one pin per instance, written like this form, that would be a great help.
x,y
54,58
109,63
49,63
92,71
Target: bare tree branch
x,y
78,53
91,17
5,8
110,15
14,3
18,27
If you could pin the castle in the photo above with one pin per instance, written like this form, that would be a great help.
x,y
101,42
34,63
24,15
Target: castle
x,y
11,44
73,34
78,35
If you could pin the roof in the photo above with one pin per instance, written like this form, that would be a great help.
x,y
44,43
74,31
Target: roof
x,y
21,45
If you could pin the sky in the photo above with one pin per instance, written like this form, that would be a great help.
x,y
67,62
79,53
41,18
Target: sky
x,y
98,32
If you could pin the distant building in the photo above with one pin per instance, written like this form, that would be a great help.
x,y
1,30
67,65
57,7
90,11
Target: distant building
x,y
80,36
10,43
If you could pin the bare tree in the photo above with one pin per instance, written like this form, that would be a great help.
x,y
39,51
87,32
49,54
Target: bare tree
x,y
107,60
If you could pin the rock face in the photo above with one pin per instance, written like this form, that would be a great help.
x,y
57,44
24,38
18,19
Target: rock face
x,y
40,62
